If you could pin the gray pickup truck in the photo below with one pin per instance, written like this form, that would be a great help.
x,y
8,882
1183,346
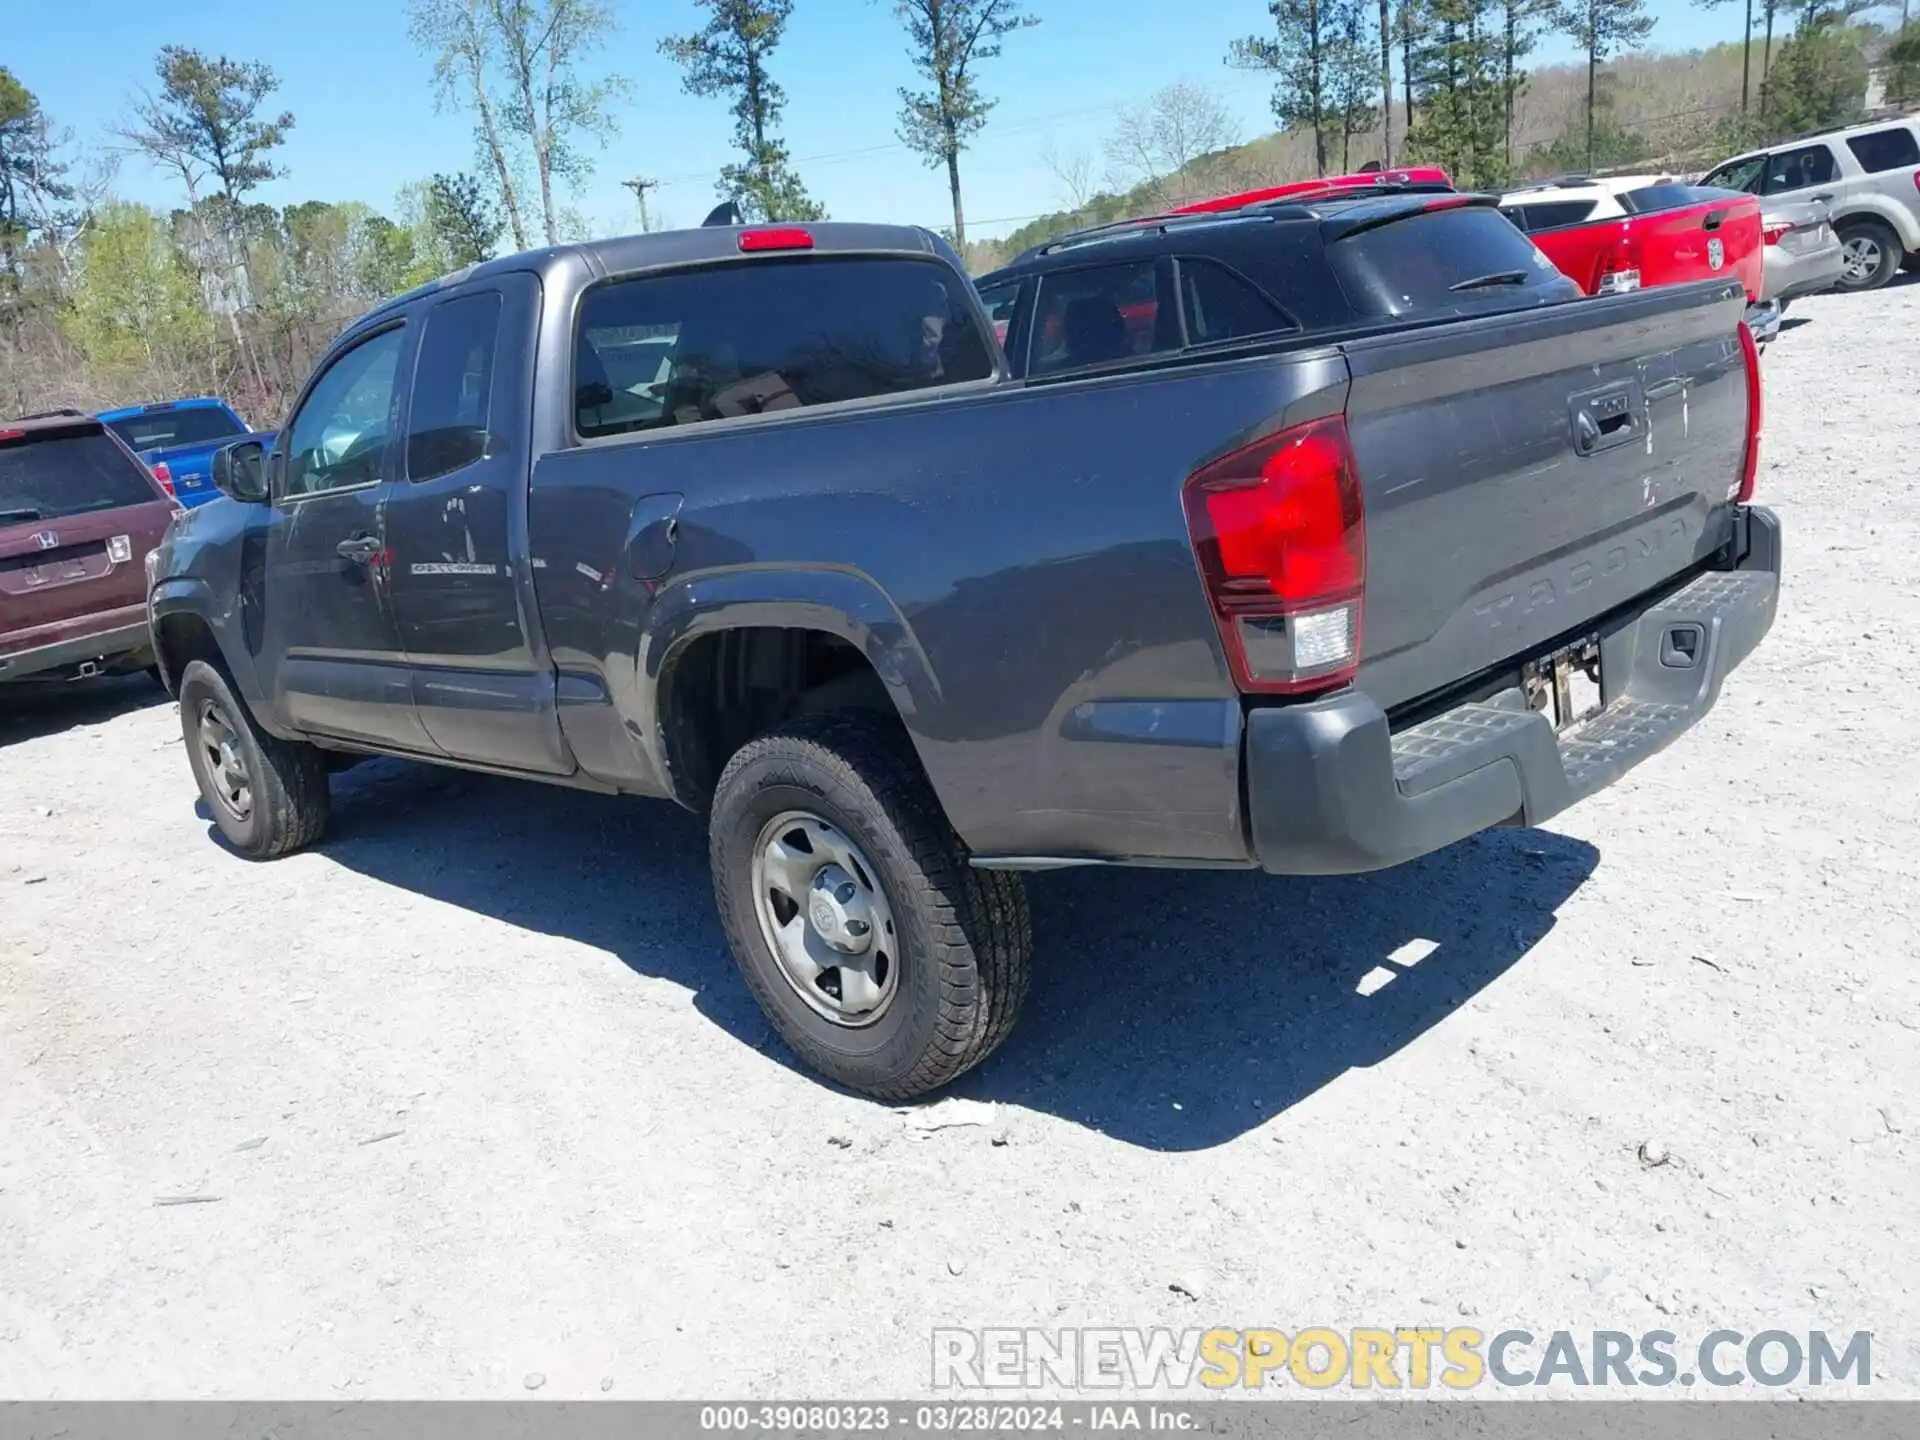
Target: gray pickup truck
x,y
762,521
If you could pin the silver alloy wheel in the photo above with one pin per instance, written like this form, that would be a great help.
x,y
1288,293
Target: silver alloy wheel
x,y
1863,257
226,761
825,918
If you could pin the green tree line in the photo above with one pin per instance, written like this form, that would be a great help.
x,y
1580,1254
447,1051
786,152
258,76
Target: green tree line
x,y
104,301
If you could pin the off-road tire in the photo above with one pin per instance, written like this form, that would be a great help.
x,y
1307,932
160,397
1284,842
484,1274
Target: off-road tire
x,y
289,779
965,937
1892,254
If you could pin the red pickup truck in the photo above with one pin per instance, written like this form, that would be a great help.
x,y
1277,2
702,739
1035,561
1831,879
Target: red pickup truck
x,y
1628,232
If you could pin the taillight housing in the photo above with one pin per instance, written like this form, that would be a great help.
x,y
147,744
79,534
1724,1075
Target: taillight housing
x,y
1619,268
164,475
1279,530
1773,233
1750,467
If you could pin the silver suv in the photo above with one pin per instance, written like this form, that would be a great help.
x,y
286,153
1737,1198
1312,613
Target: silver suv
x,y
1869,178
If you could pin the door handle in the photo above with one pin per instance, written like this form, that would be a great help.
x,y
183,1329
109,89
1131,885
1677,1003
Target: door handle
x,y
361,548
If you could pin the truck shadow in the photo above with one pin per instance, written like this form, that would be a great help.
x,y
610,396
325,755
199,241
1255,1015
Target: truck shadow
x,y
33,709
1172,1011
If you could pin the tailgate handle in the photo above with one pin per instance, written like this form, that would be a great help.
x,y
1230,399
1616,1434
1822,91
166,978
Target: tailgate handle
x,y
1714,217
1603,419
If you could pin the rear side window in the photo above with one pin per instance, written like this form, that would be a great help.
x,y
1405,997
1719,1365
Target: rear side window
x,y
1000,301
1441,259
1650,199
1095,316
194,425
1221,306
1550,214
453,386
50,474
1880,150
1798,169
769,335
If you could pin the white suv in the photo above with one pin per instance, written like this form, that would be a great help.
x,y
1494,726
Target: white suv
x,y
1869,178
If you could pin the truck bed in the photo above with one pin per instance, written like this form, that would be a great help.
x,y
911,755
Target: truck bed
x,y
1025,583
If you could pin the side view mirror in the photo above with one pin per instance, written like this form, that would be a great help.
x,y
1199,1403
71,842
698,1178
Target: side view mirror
x,y
239,472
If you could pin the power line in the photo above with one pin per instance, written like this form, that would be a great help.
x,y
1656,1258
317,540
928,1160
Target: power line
x,y
835,157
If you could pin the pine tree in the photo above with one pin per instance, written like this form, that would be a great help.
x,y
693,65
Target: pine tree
x,y
1601,28
1352,75
32,177
1314,54
948,39
1461,111
1519,22
729,57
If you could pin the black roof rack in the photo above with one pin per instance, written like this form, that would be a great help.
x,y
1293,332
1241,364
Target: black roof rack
x,y
54,414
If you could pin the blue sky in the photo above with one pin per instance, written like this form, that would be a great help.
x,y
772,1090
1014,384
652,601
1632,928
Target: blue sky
x,y
367,124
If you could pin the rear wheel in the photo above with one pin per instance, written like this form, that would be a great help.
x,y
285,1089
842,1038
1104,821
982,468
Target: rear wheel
x,y
885,960
1873,253
267,796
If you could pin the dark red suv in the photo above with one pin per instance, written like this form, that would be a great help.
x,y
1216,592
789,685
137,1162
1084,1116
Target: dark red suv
x,y
78,514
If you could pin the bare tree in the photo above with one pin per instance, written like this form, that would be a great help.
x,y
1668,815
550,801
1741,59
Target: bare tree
x,y
542,43
457,33
1072,171
948,38
1161,142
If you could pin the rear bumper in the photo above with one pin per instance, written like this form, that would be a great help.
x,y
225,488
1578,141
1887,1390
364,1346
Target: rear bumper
x,y
1788,277
102,645
1331,790
1763,318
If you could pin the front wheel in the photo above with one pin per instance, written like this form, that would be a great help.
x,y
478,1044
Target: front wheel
x,y
267,796
1873,254
887,962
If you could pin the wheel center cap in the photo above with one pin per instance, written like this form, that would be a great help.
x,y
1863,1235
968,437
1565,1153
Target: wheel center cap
x,y
838,911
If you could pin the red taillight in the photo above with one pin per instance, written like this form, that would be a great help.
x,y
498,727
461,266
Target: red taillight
x,y
1280,533
1771,235
13,434
786,238
1619,268
1751,466
163,475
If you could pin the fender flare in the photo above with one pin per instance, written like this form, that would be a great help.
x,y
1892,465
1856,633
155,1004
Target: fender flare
x,y
836,601
190,595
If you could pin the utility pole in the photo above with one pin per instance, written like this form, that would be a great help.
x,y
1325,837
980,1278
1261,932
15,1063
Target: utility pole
x,y
640,186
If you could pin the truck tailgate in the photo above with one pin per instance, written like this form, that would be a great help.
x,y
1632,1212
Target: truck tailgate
x,y
1526,473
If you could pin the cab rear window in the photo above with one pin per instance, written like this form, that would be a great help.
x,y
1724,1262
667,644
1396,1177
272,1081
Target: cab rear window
x,y
50,474
193,425
768,335
1459,257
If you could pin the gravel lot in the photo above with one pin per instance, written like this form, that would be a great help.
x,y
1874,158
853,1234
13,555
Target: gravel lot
x,y
481,1105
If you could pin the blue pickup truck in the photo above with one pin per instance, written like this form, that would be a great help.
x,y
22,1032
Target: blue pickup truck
x,y
175,439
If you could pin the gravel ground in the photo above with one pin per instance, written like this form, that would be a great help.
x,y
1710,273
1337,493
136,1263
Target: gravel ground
x,y
478,1103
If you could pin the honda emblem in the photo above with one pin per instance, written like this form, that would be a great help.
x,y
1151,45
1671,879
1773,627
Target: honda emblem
x,y
1716,254
47,540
